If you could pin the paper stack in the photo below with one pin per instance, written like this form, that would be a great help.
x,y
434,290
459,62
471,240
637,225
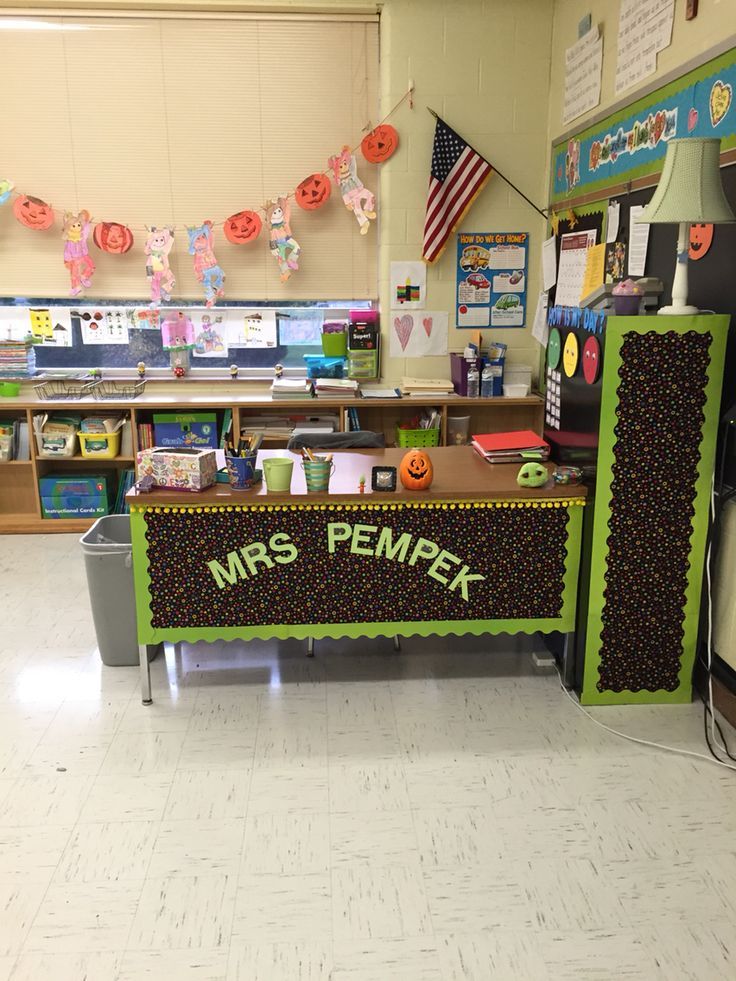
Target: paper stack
x,y
426,387
513,447
332,387
291,388
17,359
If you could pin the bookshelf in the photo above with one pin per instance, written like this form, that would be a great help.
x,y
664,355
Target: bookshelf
x,y
20,508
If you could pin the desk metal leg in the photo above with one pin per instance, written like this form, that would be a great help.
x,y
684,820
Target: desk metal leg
x,y
397,642
145,674
310,646
567,666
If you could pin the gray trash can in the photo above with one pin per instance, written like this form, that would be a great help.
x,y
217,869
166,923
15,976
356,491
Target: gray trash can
x,y
108,558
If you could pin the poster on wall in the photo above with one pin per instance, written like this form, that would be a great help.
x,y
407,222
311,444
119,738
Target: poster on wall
x,y
253,328
210,334
644,29
408,285
491,279
50,326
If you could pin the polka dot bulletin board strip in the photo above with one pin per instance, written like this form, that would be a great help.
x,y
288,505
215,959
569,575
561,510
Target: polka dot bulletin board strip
x,y
656,456
223,566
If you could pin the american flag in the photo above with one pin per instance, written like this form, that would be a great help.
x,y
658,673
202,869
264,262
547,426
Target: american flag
x,y
457,177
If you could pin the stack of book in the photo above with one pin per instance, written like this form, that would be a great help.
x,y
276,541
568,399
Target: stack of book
x,y
426,387
514,447
126,481
17,359
291,388
145,436
332,387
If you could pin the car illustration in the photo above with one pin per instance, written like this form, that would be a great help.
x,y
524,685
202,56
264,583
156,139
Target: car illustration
x,y
478,280
507,302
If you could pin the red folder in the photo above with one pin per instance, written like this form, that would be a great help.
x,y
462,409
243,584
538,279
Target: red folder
x,y
523,439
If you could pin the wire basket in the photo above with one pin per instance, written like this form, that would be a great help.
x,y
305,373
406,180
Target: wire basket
x,y
417,437
119,391
64,388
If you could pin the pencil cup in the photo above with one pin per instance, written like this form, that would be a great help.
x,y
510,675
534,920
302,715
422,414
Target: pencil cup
x,y
277,472
318,474
241,470
457,430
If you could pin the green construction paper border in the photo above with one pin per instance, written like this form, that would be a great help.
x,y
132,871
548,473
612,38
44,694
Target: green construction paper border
x,y
147,634
646,102
616,328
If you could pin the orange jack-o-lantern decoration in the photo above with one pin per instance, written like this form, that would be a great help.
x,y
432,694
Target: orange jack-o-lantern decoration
x,y
416,470
33,212
243,227
112,237
701,239
313,192
381,143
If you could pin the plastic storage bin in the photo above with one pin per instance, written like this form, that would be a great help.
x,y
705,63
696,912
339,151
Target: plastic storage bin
x,y
52,445
318,366
518,374
100,446
108,559
412,438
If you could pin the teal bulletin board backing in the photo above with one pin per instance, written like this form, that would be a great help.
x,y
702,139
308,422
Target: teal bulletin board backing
x,y
616,330
632,142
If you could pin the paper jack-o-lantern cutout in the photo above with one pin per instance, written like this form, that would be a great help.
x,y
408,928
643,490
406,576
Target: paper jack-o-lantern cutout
x,y
701,239
243,227
33,212
416,470
112,237
380,144
313,192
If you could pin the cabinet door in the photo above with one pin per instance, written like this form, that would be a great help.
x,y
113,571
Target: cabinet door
x,y
659,419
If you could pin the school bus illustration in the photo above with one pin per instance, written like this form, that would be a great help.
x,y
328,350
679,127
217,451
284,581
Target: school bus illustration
x,y
473,258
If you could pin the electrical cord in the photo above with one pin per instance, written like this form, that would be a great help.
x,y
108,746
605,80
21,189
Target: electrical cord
x,y
678,751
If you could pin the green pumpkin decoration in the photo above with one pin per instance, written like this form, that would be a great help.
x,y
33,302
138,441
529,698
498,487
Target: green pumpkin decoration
x,y
532,475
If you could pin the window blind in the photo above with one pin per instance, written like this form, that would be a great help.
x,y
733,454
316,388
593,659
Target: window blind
x,y
154,121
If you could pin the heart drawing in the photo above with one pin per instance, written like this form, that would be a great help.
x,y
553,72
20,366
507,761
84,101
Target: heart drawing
x,y
720,101
692,120
403,327
427,325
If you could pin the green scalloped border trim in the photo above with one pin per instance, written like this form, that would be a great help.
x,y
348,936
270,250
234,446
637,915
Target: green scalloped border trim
x,y
147,634
616,327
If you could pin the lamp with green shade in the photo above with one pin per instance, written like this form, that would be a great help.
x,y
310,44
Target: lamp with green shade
x,y
689,192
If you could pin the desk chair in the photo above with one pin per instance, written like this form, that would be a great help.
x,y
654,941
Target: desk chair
x,y
364,440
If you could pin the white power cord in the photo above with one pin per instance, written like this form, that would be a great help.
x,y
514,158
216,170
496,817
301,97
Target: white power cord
x,y
635,739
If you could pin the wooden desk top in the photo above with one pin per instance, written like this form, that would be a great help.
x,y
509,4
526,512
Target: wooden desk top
x,y
459,474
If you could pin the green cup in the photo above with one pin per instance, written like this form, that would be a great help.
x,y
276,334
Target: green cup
x,y
277,472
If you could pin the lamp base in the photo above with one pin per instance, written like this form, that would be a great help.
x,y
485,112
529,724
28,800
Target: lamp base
x,y
684,311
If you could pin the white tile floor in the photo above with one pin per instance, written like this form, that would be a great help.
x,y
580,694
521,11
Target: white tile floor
x,y
438,815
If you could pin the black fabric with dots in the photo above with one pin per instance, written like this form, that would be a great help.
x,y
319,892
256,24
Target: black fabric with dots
x,y
521,551
657,452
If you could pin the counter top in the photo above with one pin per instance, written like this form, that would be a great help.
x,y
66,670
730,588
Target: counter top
x,y
459,474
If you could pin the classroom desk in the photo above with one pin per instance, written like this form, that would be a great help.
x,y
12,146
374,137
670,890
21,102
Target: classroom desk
x,y
474,553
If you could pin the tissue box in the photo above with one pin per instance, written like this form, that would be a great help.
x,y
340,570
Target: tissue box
x,y
183,469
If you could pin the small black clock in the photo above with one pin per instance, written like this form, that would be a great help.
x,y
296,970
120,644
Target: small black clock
x,y
383,478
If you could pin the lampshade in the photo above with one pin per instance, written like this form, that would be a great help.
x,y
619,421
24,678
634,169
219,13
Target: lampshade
x,y
690,188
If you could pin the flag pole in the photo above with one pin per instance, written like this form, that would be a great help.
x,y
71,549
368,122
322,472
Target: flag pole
x,y
497,171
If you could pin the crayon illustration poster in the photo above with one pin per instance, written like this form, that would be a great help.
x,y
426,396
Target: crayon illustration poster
x,y
491,279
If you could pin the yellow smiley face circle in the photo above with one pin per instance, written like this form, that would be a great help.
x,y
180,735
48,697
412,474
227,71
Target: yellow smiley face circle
x,y
570,354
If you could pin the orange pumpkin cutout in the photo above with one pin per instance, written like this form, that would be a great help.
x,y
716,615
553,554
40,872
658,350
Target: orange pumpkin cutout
x,y
243,227
415,470
112,237
380,144
701,239
33,212
313,192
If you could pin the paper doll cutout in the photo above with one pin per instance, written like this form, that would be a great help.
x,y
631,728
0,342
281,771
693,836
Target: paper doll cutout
x,y
158,246
206,267
282,244
75,232
6,189
357,198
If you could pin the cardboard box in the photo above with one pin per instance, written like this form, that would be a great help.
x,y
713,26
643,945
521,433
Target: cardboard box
x,y
192,429
73,496
185,469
